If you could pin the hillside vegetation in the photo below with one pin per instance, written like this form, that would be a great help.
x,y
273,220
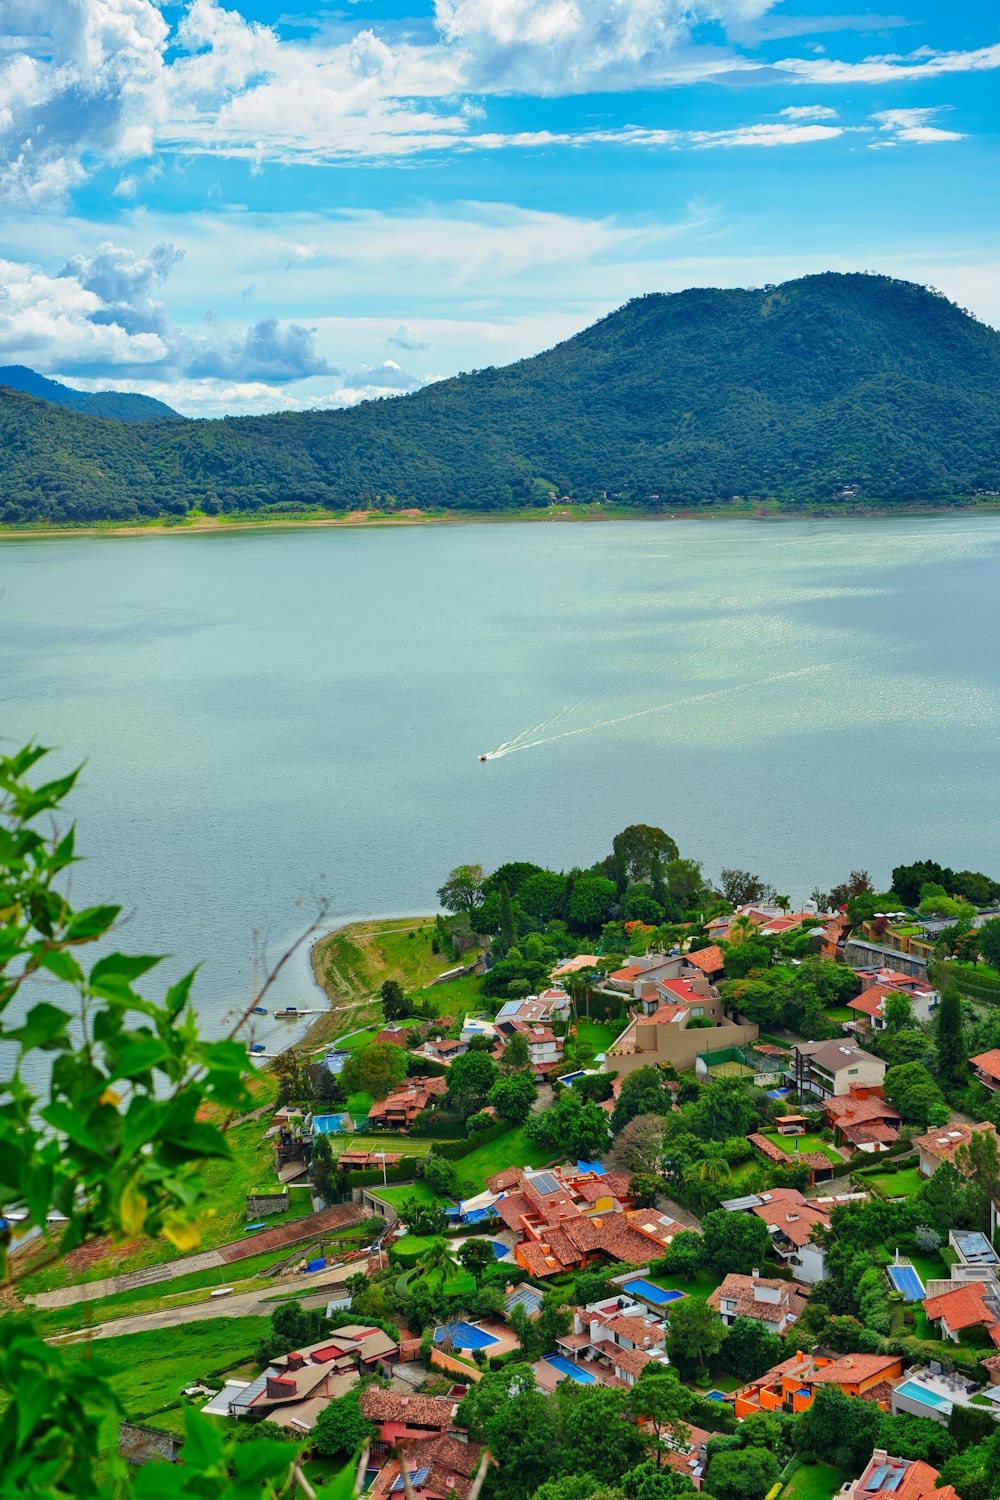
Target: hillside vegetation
x,y
831,389
125,406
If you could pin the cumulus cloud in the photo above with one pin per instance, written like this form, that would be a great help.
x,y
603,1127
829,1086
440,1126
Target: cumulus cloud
x,y
808,112
123,283
267,351
405,338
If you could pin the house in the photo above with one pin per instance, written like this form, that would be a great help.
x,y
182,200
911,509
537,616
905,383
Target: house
x,y
865,1122
474,1026
832,1068
545,1048
690,1457
618,1336
986,1067
575,965
934,1394
793,1222
294,1389
939,1146
667,1035
791,1386
437,1467
821,1168
709,961
395,1034
869,1006
886,1478
406,1102
776,1304
405,1417
441,1049
971,1304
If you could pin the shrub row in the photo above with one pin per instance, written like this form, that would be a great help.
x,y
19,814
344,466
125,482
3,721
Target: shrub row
x,y
455,1150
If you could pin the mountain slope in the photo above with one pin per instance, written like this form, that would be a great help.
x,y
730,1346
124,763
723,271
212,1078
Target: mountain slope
x,y
798,392
124,406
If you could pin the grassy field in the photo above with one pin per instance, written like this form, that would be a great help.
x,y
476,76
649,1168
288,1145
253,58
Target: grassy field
x,y
895,1184
358,1106
811,1141
510,1150
458,998
840,1013
698,1286
355,960
398,1194
813,1482
598,1035
153,1368
393,1145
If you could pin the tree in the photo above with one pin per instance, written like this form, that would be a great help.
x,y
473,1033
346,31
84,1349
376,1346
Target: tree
x,y
857,883
912,1090
105,1117
513,1097
287,1068
744,1475
897,1012
989,941
735,1242
642,1093
685,1255
516,1054
508,930
634,849
438,1260
574,1127
695,1333
441,1175
375,1069
423,1218
644,1188
741,888
599,1438
639,1147
323,1169
726,1108
470,1079
751,1349
340,1428
647,1482
952,1054
659,1399
477,1256
462,890
591,902
395,1001
839,1429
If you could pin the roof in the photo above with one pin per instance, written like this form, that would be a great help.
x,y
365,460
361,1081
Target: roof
x,y
963,1307
988,1062
741,1289
844,1107
629,973
573,965
768,1148
836,1055
876,1132
632,1361
851,1368
796,1221
709,960
871,1001
945,1141
641,1331
887,1478
380,1405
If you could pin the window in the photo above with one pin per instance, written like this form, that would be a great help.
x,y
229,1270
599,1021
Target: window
x,y
851,1072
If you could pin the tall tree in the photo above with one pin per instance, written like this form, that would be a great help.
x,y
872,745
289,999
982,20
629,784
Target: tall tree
x,y
508,933
695,1332
395,1001
463,888
633,853
952,1053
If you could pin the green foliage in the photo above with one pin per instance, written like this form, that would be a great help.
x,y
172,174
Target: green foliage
x,y
696,1333
573,1126
340,1428
735,1242
912,1090
374,1070
949,1039
745,1475
750,1348
476,1256
396,1004
104,1130
470,1079
462,890
684,1256
513,1097
592,901
839,1429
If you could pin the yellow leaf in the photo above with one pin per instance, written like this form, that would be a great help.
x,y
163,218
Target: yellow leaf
x,y
132,1209
181,1232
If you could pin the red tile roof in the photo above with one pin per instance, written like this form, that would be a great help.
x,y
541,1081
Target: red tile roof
x,y
709,960
988,1062
961,1308
945,1141
768,1148
851,1368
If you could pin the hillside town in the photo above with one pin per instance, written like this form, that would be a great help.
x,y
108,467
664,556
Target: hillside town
x,y
677,1201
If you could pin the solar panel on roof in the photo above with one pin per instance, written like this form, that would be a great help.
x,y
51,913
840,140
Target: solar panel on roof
x,y
894,1479
544,1183
417,1476
878,1478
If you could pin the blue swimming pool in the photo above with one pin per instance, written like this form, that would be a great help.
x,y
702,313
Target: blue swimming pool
x,y
917,1392
650,1292
567,1367
464,1336
715,1395
500,1249
906,1280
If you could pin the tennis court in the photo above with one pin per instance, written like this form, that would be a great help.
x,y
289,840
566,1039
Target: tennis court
x,y
906,1280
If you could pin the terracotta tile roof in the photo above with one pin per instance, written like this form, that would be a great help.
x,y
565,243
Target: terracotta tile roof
x,y
629,973
512,1208
818,1160
851,1368
795,1221
665,1013
769,1149
875,1131
643,1332
741,1290
379,1405
912,1479
538,1260
945,1141
632,1361
844,1107
963,1307
871,1001
881,1392
991,1362
988,1062
709,960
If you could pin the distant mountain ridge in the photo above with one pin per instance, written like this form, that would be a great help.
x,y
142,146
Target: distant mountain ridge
x,y
831,389
123,406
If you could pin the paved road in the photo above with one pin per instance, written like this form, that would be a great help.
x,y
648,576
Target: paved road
x,y
257,1303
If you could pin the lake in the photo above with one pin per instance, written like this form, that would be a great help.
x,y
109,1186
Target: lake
x,y
268,715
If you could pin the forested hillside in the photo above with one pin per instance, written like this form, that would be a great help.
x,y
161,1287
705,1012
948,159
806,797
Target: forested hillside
x,y
125,406
802,392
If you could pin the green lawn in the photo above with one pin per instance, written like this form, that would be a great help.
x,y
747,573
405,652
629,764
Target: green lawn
x,y
813,1482
510,1150
840,1013
698,1286
359,1040
598,1035
154,1367
458,998
928,1267
397,1194
393,1145
811,1141
358,1106
895,1184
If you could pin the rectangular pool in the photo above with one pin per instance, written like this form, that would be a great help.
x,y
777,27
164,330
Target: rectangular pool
x,y
567,1367
916,1392
906,1280
650,1292
464,1336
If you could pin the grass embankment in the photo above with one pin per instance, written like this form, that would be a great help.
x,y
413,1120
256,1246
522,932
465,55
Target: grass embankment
x,y
895,1184
351,963
153,1368
699,1286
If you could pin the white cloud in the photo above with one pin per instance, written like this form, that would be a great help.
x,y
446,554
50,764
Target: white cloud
x,y
893,67
913,125
808,112
766,135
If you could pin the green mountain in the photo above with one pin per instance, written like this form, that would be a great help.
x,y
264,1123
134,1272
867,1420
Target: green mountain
x,y
125,406
830,388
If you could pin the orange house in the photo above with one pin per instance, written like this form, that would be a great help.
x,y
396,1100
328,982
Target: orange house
x,y
792,1385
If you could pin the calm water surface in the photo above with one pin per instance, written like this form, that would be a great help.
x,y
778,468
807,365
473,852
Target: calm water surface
x,y
272,714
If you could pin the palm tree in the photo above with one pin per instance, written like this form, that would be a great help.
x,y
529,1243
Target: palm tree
x,y
712,1169
438,1259
782,903
740,929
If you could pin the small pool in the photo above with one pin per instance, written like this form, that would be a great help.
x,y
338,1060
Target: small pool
x,y
906,1280
916,1392
778,1093
715,1395
567,1367
464,1336
500,1249
650,1292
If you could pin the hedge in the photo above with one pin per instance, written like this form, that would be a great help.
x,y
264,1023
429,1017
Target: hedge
x,y
401,1171
423,1067
434,1126
455,1150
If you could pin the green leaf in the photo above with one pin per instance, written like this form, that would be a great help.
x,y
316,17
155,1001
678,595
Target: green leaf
x,y
203,1445
263,1460
63,965
62,1118
139,1057
122,966
44,1026
91,923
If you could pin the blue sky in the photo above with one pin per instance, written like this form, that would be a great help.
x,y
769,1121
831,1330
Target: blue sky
x,y
270,205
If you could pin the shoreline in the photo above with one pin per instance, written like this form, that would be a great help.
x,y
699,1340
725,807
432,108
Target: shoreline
x,y
578,514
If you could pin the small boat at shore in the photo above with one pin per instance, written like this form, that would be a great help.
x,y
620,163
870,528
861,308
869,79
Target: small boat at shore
x,y
290,1013
258,1010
